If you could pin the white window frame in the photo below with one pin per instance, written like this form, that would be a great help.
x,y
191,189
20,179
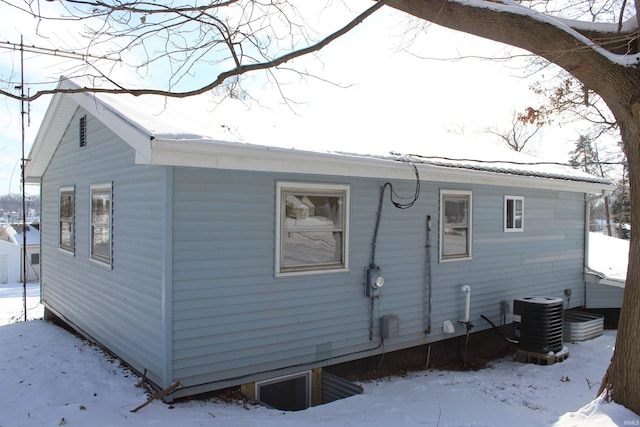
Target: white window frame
x,y
96,257
312,188
72,247
305,374
445,194
513,228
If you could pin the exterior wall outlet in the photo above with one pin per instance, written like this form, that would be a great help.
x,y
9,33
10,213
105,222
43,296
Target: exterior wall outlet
x,y
447,327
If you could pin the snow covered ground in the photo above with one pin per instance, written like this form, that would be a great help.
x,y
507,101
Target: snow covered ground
x,y
50,377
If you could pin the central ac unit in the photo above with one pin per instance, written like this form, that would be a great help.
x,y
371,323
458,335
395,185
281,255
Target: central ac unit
x,y
538,324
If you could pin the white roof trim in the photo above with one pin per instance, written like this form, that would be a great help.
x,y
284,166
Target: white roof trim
x,y
51,129
235,156
139,139
56,121
154,149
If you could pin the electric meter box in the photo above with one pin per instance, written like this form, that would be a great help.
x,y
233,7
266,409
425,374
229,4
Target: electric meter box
x,y
373,281
390,326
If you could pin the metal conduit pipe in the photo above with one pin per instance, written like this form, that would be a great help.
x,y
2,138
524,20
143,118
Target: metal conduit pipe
x,y
428,292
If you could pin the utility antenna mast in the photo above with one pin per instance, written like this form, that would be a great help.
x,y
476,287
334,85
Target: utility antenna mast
x,y
23,176
42,51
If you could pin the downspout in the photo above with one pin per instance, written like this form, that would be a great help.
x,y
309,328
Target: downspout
x,y
40,245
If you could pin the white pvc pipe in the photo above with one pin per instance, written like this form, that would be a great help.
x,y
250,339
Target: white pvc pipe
x,y
467,290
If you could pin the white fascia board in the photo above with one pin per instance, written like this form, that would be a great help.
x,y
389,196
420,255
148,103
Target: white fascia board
x,y
54,124
139,139
599,278
616,283
236,156
56,120
536,182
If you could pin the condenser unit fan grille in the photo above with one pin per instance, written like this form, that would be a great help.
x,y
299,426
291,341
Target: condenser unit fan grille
x,y
538,324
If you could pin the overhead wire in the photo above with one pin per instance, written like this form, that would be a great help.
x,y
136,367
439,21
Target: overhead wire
x,y
413,198
393,196
510,162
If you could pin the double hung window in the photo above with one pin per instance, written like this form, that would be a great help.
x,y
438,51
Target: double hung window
x,y
66,236
312,227
101,222
455,224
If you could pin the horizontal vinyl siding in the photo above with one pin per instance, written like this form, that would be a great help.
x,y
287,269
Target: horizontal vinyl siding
x,y
232,317
603,296
119,307
234,322
543,260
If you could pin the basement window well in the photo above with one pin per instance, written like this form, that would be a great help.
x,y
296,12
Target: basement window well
x,y
288,393
300,390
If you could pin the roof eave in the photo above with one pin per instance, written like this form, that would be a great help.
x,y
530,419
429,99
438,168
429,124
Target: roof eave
x,y
56,120
51,129
234,156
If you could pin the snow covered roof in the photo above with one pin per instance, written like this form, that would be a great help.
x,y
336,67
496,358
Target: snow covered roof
x,y
14,234
192,132
608,256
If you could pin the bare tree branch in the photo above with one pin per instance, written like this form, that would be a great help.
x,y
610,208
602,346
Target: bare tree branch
x,y
519,132
238,70
245,36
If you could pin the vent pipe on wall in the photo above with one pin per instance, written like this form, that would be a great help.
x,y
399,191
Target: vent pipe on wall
x,y
467,308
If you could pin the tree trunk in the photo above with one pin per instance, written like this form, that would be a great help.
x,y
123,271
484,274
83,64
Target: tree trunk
x,y
622,379
619,86
607,216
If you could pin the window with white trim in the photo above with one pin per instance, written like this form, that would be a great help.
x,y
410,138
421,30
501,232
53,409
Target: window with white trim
x,y
311,227
101,222
287,393
513,213
66,225
455,224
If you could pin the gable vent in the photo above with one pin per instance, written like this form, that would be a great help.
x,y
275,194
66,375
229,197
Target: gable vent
x,y
83,131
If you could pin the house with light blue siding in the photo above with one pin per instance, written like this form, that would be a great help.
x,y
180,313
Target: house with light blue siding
x,y
216,263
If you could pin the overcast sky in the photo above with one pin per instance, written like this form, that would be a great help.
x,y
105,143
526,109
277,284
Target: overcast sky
x,y
392,91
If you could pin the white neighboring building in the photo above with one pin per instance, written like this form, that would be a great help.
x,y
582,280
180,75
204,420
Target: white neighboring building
x,y
11,241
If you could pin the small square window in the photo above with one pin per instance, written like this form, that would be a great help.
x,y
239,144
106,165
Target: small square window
x,y
513,213
312,227
35,259
455,224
